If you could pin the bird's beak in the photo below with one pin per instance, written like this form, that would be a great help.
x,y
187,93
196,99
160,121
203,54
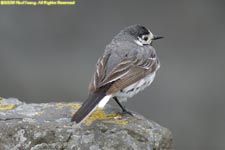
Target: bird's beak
x,y
156,37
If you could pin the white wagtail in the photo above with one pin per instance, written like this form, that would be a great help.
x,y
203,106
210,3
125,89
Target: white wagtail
x,y
128,65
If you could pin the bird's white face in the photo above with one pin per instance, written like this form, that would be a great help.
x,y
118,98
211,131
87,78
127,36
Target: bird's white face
x,y
145,39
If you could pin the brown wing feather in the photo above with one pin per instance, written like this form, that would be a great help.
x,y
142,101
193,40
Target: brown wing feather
x,y
135,74
100,73
127,72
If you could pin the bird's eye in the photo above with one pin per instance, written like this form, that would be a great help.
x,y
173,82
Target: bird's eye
x,y
145,38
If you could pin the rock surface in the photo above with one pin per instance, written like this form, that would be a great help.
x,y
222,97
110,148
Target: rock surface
x,y
47,126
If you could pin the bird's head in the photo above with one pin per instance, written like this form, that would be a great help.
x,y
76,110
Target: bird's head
x,y
139,34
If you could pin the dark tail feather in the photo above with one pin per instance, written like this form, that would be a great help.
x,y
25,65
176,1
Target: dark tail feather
x,y
89,105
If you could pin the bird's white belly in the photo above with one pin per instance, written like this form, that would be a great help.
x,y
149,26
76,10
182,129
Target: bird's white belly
x,y
134,88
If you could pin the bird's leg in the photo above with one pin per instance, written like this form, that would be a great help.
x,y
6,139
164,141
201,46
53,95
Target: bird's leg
x,y
124,111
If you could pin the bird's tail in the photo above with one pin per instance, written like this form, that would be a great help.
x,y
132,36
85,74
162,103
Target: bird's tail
x,y
90,104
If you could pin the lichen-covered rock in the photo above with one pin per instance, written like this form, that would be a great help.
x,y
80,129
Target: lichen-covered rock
x,y
47,126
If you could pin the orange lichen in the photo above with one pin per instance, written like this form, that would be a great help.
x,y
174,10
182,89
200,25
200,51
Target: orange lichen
x,y
100,114
7,107
72,105
116,121
40,112
66,126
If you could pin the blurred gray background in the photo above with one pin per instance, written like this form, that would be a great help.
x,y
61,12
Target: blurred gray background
x,y
49,54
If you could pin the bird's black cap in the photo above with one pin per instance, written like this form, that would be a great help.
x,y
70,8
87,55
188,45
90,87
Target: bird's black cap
x,y
137,30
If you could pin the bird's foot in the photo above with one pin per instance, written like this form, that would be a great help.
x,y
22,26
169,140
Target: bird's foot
x,y
124,112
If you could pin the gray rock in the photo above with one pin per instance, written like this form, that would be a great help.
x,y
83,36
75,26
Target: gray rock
x,y
47,126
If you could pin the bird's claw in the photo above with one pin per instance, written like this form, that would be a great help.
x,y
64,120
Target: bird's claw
x,y
124,112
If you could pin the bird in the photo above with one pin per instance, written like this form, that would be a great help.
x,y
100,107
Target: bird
x,y
128,65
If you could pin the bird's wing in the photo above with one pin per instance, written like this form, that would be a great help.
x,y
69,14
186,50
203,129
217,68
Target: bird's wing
x,y
125,73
